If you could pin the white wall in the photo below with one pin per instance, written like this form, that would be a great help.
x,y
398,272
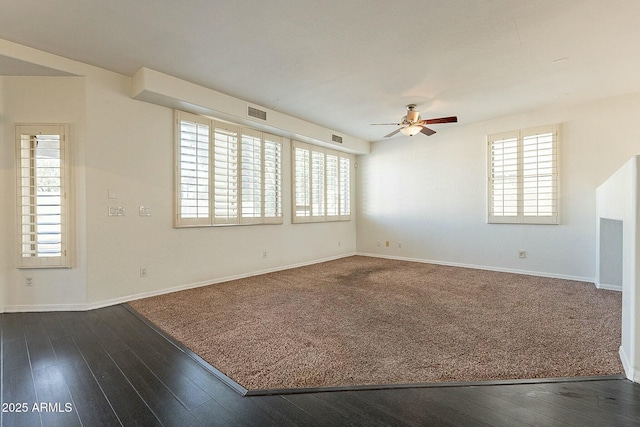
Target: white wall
x,y
132,154
430,194
126,145
41,100
617,198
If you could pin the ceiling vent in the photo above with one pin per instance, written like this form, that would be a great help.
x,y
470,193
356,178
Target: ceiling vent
x,y
336,138
258,114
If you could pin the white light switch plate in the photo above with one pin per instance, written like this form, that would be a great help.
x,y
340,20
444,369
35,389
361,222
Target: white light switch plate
x,y
116,211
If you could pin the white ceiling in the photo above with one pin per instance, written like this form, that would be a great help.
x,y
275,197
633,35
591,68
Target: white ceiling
x,y
345,64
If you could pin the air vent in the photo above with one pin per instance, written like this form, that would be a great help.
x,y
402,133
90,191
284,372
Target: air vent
x,y
336,138
258,114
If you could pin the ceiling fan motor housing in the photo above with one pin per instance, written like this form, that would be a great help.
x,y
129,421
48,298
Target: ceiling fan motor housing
x,y
412,115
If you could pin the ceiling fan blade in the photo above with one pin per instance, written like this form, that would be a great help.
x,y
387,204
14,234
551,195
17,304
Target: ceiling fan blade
x,y
393,133
452,119
385,124
427,131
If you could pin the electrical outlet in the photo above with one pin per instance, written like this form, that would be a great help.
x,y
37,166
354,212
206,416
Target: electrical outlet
x,y
143,272
378,243
522,254
400,245
387,244
28,281
264,254
144,211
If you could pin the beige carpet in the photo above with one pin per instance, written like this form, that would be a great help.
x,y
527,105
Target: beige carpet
x,y
362,320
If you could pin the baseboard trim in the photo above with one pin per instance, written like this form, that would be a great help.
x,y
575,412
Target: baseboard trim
x,y
629,372
226,279
609,287
482,267
133,297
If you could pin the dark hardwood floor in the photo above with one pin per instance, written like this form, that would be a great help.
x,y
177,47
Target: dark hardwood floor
x,y
108,368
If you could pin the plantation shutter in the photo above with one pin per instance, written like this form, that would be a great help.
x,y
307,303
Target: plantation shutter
x,y
225,178
523,176
333,185
540,176
321,184
226,175
302,174
345,187
193,171
251,176
317,184
272,178
43,196
504,178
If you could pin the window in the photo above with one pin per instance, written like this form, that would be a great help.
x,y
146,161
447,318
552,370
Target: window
x,y
226,175
321,190
523,176
43,196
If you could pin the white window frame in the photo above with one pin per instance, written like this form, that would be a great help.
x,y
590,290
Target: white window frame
x,y
321,184
523,176
235,178
43,197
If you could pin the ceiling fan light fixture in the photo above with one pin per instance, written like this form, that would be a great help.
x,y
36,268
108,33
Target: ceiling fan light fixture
x,y
411,130
411,124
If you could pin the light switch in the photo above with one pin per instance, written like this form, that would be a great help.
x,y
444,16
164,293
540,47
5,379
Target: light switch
x,y
116,211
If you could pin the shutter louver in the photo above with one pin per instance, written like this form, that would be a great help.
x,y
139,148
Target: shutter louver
x,y
194,171
251,175
225,178
345,186
272,177
540,175
302,185
504,177
317,184
333,186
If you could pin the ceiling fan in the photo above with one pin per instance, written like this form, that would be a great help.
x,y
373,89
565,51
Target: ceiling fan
x,y
412,124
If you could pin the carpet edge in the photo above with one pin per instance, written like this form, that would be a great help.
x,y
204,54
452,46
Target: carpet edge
x,y
212,369
304,390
